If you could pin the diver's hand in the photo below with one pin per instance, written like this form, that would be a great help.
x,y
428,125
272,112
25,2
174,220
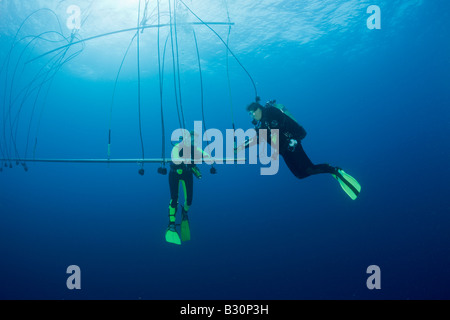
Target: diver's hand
x,y
238,149
292,144
196,172
248,142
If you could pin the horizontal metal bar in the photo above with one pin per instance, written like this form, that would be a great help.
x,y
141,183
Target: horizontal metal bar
x,y
156,160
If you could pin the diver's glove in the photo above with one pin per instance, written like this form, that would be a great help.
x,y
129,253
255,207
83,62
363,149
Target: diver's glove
x,y
292,144
196,172
243,146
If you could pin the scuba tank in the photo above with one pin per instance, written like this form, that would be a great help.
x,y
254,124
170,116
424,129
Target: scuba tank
x,y
282,108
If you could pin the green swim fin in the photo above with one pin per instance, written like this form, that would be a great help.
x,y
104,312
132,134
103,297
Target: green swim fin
x,y
348,183
185,230
172,235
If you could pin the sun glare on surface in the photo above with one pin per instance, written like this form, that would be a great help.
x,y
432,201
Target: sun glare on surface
x,y
126,4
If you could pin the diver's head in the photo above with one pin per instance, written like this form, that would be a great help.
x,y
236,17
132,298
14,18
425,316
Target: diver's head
x,y
194,137
255,111
190,138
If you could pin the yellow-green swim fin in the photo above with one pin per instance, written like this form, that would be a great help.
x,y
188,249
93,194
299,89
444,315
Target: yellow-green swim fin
x,y
185,231
172,235
348,183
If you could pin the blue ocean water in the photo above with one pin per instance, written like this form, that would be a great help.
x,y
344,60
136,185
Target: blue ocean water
x,y
373,101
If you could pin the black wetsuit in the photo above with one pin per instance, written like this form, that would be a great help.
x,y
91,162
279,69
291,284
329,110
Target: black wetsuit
x,y
182,172
179,173
296,160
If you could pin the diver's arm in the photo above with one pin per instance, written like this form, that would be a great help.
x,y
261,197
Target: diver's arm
x,y
274,138
249,142
196,171
205,154
175,154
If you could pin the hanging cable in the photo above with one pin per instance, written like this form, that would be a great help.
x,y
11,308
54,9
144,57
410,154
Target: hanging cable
x,y
178,63
49,77
114,93
201,82
26,93
212,170
118,32
145,17
47,73
226,45
141,171
174,69
228,71
161,170
230,95
5,65
72,39
61,58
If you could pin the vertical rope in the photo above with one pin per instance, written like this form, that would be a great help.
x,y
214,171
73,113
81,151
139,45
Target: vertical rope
x,y
228,69
178,63
114,93
139,82
201,81
174,68
163,151
231,52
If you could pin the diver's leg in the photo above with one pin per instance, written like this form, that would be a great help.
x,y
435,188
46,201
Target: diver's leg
x,y
174,186
298,162
301,166
171,232
188,187
189,191
321,168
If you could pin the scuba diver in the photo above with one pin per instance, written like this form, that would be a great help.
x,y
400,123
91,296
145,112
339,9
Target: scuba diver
x,y
276,116
182,174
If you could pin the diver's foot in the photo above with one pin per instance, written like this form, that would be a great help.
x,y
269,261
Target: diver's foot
x,y
335,171
172,235
184,215
172,226
185,229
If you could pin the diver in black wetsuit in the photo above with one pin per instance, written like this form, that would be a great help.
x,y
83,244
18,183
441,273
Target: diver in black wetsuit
x,y
290,134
